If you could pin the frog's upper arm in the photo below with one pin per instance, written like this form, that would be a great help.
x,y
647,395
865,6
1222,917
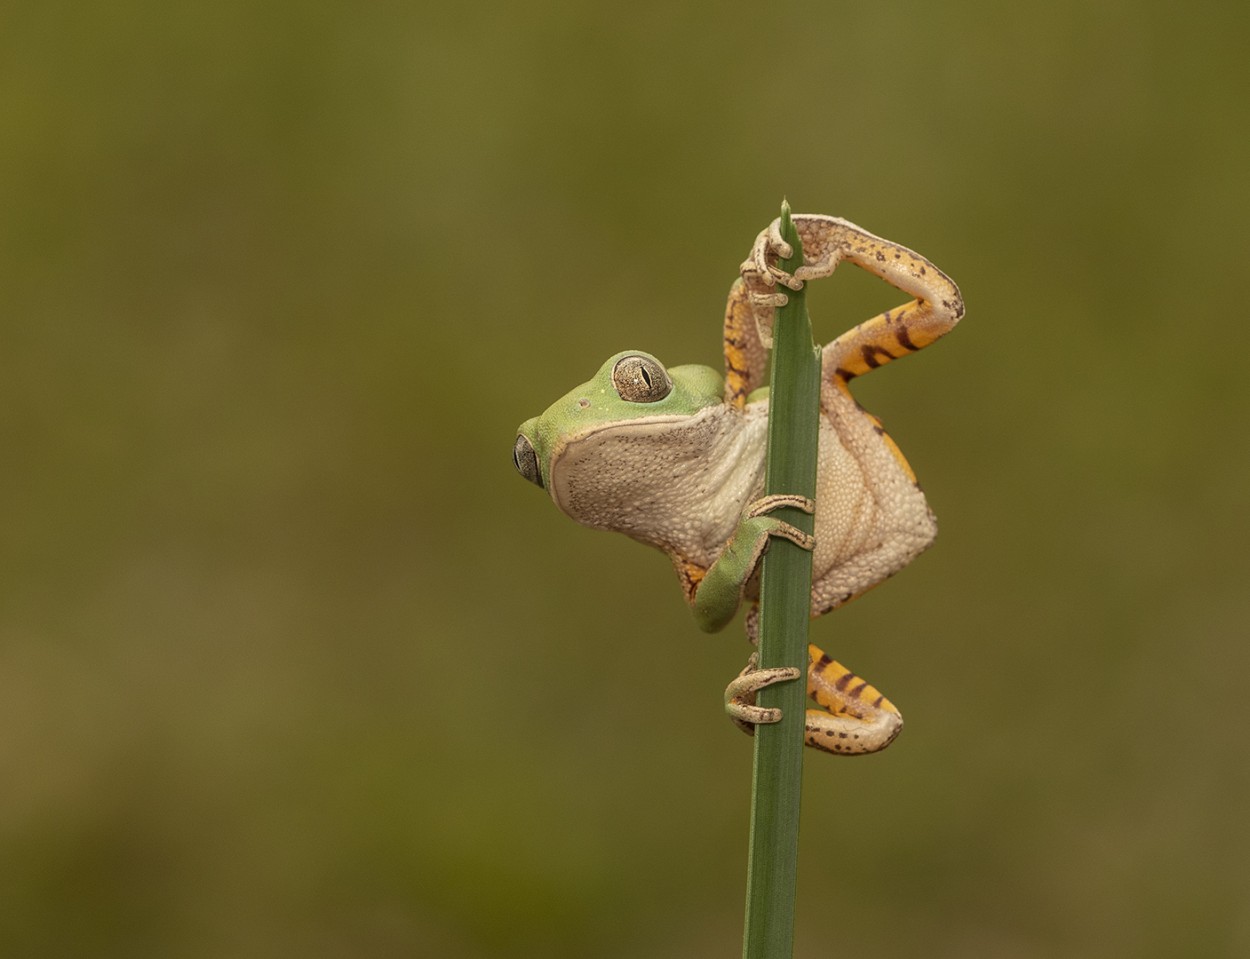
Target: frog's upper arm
x,y
719,593
746,355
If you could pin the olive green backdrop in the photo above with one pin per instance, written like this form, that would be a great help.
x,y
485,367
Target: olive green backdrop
x,y
293,664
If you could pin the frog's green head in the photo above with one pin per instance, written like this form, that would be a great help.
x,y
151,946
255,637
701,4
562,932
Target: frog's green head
x,y
632,395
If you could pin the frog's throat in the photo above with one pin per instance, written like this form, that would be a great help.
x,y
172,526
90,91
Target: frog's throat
x,y
679,483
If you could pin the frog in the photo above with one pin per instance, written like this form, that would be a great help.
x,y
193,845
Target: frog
x,y
674,457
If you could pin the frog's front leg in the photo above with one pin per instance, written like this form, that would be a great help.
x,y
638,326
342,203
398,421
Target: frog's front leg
x,y
855,717
746,343
719,593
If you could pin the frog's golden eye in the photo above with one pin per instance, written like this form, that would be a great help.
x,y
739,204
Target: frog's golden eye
x,y
640,379
526,460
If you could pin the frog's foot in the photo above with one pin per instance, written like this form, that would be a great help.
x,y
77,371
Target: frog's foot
x,y
766,504
761,265
855,717
740,694
761,275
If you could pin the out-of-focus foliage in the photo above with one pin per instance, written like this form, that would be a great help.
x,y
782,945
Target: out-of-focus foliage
x,y
292,663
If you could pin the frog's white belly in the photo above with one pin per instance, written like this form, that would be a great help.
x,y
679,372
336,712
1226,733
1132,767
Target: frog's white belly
x,y
871,516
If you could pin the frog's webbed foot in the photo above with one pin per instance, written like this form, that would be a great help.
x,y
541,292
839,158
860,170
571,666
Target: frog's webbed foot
x,y
741,692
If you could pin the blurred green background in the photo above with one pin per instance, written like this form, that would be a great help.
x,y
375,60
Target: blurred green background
x,y
293,664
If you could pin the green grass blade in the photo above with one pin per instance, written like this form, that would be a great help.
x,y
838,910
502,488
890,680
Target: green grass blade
x,y
785,604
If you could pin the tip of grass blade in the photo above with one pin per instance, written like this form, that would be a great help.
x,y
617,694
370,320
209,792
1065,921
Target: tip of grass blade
x,y
791,237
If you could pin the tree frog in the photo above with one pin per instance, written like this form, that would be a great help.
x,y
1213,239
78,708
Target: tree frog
x,y
674,457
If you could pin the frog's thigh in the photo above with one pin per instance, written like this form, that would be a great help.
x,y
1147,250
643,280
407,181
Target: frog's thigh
x,y
871,516
856,718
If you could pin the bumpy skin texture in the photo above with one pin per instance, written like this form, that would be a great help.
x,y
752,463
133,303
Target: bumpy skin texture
x,y
679,472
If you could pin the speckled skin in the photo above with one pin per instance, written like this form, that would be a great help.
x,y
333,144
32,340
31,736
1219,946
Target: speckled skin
x,y
681,472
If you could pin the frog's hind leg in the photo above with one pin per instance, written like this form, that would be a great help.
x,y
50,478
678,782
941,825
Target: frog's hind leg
x,y
936,309
888,336
855,719
827,241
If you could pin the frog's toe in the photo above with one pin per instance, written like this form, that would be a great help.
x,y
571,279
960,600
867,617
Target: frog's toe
x,y
776,242
755,267
769,301
795,535
814,271
741,692
766,504
768,248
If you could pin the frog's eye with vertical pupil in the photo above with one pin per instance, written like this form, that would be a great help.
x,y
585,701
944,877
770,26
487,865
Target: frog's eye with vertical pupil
x,y
640,379
526,460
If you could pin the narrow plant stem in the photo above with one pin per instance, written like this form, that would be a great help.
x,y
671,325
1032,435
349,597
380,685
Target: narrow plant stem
x,y
785,605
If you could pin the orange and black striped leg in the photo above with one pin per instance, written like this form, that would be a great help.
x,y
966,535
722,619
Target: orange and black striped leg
x,y
855,718
876,342
936,309
746,354
886,337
